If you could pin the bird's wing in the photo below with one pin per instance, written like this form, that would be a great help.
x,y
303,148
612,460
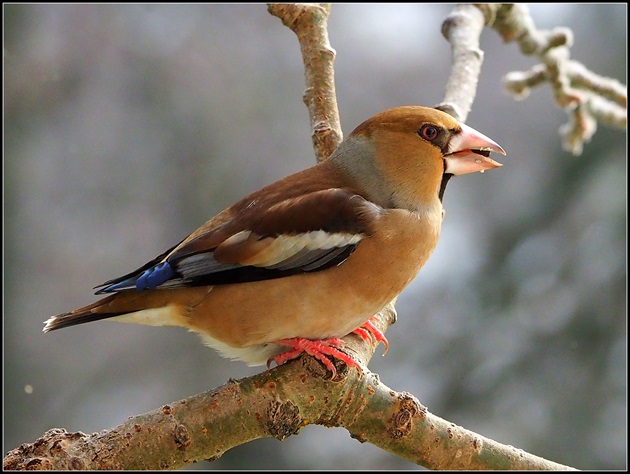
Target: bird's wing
x,y
307,233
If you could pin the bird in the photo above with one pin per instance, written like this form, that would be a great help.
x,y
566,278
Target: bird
x,y
299,264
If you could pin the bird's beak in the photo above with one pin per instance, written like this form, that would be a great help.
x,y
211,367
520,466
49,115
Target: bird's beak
x,y
469,151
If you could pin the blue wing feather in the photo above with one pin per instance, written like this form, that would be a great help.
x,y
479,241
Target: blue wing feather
x,y
151,278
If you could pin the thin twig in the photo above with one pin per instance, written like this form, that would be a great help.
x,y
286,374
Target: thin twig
x,y
585,96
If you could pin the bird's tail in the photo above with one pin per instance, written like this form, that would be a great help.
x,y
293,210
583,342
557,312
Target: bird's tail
x,y
82,315
152,308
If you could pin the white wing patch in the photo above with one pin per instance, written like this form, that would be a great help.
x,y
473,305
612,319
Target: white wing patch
x,y
279,250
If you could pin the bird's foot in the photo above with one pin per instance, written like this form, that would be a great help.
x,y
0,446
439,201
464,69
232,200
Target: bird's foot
x,y
317,348
369,331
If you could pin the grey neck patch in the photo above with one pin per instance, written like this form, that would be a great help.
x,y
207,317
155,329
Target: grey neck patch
x,y
355,154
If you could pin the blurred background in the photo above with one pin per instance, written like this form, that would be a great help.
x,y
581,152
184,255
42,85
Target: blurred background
x,y
127,126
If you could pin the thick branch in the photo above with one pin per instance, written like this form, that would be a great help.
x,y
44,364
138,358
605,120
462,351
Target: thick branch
x,y
585,96
276,403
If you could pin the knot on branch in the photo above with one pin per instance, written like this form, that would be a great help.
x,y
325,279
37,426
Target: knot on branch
x,y
50,452
283,419
182,437
402,420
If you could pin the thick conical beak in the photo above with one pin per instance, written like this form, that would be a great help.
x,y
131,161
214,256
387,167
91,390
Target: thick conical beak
x,y
469,151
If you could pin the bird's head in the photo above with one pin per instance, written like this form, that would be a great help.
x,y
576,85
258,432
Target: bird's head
x,y
403,157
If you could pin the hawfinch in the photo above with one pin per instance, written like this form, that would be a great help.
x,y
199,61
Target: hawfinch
x,y
297,265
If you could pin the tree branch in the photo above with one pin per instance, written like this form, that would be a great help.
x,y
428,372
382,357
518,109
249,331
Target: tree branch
x,y
309,22
276,403
584,95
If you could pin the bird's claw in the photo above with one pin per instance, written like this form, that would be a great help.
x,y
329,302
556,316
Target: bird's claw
x,y
317,348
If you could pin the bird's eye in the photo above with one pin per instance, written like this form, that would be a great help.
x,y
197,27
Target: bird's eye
x,y
429,132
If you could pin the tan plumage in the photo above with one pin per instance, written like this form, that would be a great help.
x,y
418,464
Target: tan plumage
x,y
312,256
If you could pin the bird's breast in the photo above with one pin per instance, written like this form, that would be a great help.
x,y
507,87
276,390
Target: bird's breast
x,y
399,248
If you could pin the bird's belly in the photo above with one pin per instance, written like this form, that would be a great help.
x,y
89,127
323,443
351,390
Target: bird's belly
x,y
257,354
